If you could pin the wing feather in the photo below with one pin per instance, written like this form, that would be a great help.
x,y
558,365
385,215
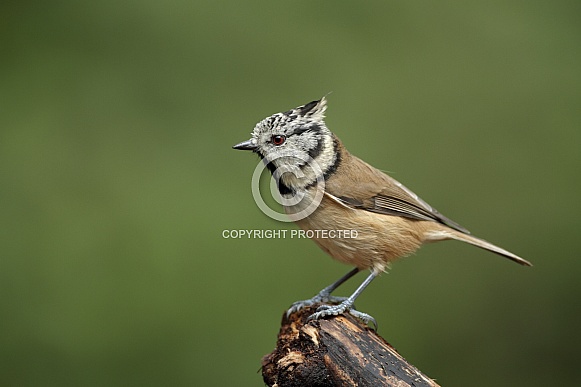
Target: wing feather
x,y
374,191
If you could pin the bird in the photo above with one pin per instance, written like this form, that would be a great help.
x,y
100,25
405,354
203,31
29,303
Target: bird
x,y
339,191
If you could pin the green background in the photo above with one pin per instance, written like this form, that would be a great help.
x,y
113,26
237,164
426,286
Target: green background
x,y
117,179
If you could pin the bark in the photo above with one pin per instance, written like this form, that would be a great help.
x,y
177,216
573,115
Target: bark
x,y
337,351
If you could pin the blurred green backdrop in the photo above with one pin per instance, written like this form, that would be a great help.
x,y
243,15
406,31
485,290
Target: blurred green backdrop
x,y
117,179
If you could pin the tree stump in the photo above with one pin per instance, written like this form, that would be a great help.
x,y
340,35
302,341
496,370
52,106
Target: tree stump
x,y
337,351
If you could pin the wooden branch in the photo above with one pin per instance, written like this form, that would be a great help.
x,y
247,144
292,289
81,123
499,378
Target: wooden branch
x,y
338,351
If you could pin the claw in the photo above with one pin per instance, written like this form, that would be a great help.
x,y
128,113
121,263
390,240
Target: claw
x,y
345,306
366,318
318,299
330,310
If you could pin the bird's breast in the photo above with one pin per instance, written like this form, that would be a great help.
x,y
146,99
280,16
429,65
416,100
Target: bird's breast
x,y
357,237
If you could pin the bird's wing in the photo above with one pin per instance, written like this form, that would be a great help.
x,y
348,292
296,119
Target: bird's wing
x,y
374,191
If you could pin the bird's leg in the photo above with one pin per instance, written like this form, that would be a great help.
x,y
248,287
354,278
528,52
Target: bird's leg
x,y
347,305
324,295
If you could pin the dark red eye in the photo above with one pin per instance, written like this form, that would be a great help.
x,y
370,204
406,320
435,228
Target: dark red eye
x,y
278,139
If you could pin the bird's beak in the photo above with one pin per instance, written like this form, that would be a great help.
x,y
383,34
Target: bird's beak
x,y
246,145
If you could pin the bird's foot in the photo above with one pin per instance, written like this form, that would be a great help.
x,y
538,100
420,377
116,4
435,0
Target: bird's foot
x,y
321,298
343,307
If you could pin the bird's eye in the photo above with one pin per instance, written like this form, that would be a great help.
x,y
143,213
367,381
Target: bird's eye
x,y
278,139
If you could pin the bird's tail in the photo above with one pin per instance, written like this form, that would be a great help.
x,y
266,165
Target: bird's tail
x,y
459,236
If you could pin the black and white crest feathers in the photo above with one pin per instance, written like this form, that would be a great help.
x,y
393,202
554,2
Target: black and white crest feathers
x,y
295,121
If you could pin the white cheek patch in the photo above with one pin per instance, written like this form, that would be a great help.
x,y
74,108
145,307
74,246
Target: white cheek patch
x,y
327,157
